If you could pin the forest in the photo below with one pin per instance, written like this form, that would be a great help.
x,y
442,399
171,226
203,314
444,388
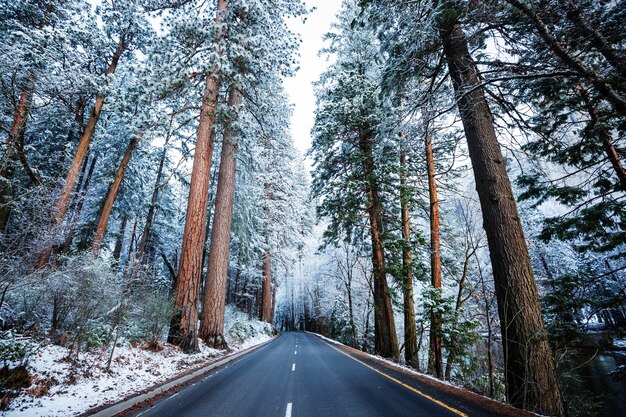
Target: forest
x,y
460,211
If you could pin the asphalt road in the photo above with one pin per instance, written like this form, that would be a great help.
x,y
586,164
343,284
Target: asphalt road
x,y
301,375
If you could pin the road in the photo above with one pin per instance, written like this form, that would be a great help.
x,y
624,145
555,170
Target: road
x,y
300,375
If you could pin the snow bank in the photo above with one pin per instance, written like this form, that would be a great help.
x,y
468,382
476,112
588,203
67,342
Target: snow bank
x,y
63,387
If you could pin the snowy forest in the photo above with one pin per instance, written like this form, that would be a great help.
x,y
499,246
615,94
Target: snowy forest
x,y
460,211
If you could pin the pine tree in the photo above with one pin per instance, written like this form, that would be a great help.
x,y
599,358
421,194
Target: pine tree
x,y
345,166
183,330
530,372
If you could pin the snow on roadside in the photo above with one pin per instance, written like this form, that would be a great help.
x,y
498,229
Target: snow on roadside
x,y
64,388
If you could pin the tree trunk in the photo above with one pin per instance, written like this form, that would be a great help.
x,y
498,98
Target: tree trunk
x,y
111,196
435,353
235,292
273,309
607,142
469,252
119,243
266,303
183,330
531,381
17,129
81,151
355,341
85,141
367,328
79,201
490,364
16,133
385,340
212,320
410,329
147,228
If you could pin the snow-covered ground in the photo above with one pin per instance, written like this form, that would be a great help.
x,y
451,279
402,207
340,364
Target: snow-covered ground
x,y
64,388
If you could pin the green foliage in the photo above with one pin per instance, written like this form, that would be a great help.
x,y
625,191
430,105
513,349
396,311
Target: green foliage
x,y
151,317
15,349
96,334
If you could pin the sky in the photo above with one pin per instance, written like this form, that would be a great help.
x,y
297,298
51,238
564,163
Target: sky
x,y
299,87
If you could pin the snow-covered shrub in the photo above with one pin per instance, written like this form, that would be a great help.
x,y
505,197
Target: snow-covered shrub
x,y
241,329
15,349
150,318
97,333
88,296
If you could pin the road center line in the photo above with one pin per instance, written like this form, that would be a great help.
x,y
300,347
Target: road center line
x,y
288,411
295,352
410,388
293,367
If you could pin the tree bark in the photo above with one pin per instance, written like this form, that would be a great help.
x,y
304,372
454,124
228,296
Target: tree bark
x,y
79,201
266,299
183,330
490,364
273,309
19,120
17,129
531,380
212,320
16,133
385,340
119,243
80,154
111,196
435,356
147,228
410,329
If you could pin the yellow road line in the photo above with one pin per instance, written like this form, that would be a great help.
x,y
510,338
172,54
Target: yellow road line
x,y
446,406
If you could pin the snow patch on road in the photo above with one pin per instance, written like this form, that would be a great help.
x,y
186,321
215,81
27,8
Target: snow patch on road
x,y
63,387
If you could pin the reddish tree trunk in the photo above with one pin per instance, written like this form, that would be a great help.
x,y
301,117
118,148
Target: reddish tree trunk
x,y
410,329
19,118
435,357
266,299
79,201
111,196
529,365
85,141
80,154
16,135
17,129
183,330
212,320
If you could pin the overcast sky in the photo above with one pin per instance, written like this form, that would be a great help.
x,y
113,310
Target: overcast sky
x,y
311,66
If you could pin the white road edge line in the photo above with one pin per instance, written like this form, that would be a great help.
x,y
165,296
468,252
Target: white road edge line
x,y
288,411
293,367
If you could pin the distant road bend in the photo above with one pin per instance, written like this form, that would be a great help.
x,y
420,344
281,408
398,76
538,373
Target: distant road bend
x,y
300,375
